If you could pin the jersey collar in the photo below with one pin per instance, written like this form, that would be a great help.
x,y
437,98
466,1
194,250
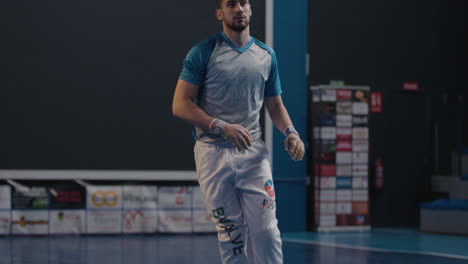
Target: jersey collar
x,y
242,49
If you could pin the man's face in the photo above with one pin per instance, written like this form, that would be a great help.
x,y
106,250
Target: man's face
x,y
235,14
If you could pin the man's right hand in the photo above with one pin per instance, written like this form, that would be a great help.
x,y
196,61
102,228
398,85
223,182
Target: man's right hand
x,y
239,135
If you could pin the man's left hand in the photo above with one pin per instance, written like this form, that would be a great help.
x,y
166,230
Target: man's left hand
x,y
294,146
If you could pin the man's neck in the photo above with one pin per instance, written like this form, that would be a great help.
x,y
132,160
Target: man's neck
x,y
240,39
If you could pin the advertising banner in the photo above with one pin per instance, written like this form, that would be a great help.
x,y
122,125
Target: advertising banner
x,y
327,220
67,222
175,197
30,198
328,95
344,95
344,145
175,221
360,145
202,222
360,196
140,221
327,170
343,120
343,195
360,108
344,107
140,197
327,196
344,170
344,157
360,170
30,222
360,133
327,132
326,208
104,197
360,182
360,157
5,222
104,221
344,133
344,182
198,202
327,182
5,197
68,197
360,121
343,208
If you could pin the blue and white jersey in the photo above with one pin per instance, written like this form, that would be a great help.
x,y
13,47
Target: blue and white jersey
x,y
233,82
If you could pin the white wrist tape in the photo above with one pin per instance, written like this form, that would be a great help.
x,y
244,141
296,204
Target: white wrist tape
x,y
217,126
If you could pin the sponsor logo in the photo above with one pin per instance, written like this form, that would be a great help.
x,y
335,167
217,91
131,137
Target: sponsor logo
x,y
344,94
100,199
61,216
139,199
68,197
269,204
360,120
344,107
269,188
130,218
361,96
22,221
229,227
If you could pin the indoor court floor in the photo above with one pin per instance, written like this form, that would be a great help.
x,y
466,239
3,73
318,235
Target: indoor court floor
x,y
380,246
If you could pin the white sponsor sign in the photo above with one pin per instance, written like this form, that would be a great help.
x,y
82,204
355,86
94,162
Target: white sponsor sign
x,y
343,195
343,120
360,145
327,182
175,221
328,95
328,195
360,108
360,196
360,157
315,96
198,202
327,132
344,133
344,208
175,197
344,107
5,222
140,197
104,197
140,221
360,133
30,222
316,132
344,158
5,197
67,222
343,170
359,182
327,220
202,222
360,170
104,221
327,208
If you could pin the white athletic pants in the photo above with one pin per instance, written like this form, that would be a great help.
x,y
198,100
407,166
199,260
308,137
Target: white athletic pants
x,y
237,189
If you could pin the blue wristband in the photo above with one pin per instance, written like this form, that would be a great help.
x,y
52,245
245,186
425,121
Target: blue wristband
x,y
289,130
217,126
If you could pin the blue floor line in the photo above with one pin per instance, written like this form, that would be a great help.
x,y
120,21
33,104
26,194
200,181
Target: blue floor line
x,y
408,241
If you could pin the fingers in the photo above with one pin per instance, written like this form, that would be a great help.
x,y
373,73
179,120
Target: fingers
x,y
295,148
239,135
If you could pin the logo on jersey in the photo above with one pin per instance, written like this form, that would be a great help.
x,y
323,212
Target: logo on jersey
x,y
269,188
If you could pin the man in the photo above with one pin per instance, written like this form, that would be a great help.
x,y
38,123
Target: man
x,y
222,87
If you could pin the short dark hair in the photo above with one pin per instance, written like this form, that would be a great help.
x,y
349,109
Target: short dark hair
x,y
219,3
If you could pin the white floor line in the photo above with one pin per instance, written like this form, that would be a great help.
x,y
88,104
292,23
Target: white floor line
x,y
375,249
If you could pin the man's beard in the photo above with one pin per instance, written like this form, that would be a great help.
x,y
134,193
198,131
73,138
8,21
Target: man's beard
x,y
239,27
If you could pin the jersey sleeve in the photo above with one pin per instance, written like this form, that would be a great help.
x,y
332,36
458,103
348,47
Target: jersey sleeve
x,y
273,84
196,62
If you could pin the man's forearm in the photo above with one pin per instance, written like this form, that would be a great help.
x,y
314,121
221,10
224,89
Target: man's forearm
x,y
280,117
192,113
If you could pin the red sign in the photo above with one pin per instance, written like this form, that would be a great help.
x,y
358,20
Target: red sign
x,y
410,86
376,102
344,94
344,145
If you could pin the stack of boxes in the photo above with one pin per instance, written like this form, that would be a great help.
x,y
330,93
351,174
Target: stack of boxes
x,y
341,156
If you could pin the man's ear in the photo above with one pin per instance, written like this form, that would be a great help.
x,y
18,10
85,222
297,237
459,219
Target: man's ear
x,y
219,14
